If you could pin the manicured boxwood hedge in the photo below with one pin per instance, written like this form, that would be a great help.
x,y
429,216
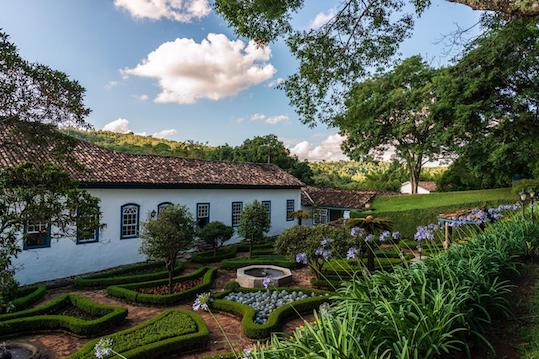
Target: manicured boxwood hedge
x,y
277,317
128,291
26,296
208,257
40,317
172,332
244,246
277,260
152,271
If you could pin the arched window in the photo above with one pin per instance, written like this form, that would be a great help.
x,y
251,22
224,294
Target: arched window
x,y
130,221
162,206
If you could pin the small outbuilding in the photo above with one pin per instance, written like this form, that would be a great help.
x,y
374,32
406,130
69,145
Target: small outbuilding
x,y
424,187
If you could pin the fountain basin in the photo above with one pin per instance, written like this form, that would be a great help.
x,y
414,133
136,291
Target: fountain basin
x,y
253,276
23,351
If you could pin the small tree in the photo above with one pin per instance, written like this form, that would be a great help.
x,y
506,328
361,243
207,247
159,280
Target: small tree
x,y
164,237
215,234
254,222
313,245
300,216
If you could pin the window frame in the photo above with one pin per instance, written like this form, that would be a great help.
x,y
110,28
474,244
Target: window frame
x,y
317,214
267,204
208,217
47,244
136,235
162,206
87,241
232,214
288,217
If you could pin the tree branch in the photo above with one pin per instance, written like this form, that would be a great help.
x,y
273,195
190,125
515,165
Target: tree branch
x,y
511,8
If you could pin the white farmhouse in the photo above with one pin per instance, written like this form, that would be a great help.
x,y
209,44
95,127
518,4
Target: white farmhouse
x,y
424,187
132,187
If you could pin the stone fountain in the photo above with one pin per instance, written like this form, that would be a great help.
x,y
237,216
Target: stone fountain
x,y
253,276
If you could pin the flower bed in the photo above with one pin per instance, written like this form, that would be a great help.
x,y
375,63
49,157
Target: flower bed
x,y
276,260
141,272
174,331
58,314
209,257
26,296
257,330
134,292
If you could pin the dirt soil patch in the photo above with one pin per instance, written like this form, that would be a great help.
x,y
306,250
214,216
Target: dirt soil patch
x,y
177,287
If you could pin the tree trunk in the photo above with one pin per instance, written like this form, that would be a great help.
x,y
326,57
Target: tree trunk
x,y
415,173
512,8
250,248
170,268
370,259
214,250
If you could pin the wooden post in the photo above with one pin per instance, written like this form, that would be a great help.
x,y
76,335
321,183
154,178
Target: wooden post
x,y
446,235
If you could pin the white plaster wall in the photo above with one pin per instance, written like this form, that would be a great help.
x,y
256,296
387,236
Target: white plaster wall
x,y
66,258
407,188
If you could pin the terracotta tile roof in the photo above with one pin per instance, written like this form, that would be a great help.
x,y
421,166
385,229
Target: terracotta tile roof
x,y
95,166
428,185
336,198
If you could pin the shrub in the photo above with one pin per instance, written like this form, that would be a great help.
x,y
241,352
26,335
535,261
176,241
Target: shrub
x,y
129,291
173,331
40,317
277,317
254,222
215,234
146,272
231,286
26,296
239,262
210,256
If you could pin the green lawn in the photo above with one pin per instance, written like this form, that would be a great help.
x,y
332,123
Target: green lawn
x,y
421,201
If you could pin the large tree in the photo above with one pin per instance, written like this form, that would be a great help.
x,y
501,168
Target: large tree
x,y
44,194
394,112
359,36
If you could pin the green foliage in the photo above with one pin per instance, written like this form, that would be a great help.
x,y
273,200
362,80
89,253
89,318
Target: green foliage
x,y
129,291
254,223
231,286
53,98
530,329
140,272
211,256
525,185
171,332
395,109
455,294
308,240
215,234
38,193
164,237
276,318
277,260
40,317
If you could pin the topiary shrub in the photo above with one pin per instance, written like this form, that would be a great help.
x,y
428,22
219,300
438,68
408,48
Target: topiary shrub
x,y
277,260
130,292
97,317
140,272
26,296
215,234
210,257
172,332
276,319
231,286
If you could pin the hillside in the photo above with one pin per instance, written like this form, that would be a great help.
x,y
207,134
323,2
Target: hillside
x,y
132,143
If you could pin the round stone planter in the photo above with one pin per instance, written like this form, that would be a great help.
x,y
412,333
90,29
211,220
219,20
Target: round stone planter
x,y
253,276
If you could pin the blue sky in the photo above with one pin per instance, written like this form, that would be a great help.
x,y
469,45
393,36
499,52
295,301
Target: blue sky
x,y
105,45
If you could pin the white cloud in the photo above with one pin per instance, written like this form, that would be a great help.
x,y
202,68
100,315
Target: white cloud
x,y
110,85
329,149
215,68
275,83
142,97
121,125
322,18
165,133
177,10
270,120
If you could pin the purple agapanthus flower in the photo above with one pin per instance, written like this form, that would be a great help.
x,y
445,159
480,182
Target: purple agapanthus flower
x,y
201,302
357,231
326,253
302,258
266,282
352,253
324,242
369,238
384,236
396,236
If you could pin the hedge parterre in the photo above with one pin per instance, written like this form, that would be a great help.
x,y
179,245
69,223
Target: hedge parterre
x,y
140,272
173,331
277,317
45,317
26,296
132,293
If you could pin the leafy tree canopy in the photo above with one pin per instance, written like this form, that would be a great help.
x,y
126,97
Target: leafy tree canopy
x,y
215,234
254,223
